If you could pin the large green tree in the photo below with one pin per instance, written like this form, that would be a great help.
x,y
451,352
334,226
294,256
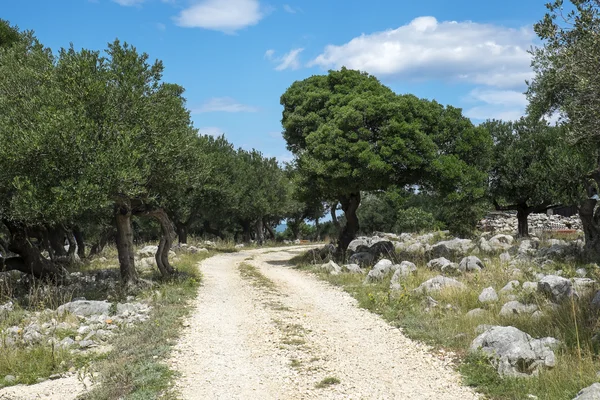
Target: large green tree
x,y
567,82
350,133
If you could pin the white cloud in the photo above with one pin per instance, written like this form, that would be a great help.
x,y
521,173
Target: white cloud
x,y
427,49
211,131
161,26
269,54
224,104
289,60
221,15
499,97
129,3
289,9
496,104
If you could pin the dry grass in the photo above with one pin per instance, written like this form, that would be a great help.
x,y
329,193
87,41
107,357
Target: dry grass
x,y
447,326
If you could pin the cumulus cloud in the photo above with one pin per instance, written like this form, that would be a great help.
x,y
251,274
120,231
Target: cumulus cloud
x,y
224,104
129,3
495,104
289,60
428,49
211,131
226,16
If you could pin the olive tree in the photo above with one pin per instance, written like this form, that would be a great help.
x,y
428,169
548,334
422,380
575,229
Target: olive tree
x,y
567,82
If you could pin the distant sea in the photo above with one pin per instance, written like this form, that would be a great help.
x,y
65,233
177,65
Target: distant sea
x,y
281,227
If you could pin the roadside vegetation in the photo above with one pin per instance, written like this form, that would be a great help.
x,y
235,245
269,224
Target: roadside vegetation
x,y
441,319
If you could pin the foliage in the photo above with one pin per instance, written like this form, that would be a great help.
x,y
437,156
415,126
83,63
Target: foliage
x,y
533,165
415,219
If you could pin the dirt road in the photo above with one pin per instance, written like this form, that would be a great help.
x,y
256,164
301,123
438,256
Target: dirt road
x,y
292,336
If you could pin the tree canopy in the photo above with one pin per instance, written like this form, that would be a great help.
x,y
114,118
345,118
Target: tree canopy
x,y
350,133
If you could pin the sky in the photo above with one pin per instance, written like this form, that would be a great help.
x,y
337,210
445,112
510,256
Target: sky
x,y
235,58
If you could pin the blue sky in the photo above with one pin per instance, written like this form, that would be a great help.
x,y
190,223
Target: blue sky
x,y
236,57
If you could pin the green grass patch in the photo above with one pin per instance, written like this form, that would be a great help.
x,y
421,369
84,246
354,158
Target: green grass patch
x,y
443,324
326,382
257,279
35,362
135,368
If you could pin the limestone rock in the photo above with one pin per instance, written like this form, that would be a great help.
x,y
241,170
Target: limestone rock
x,y
352,268
85,307
556,288
471,264
510,287
591,392
454,247
513,352
331,267
438,283
488,295
513,308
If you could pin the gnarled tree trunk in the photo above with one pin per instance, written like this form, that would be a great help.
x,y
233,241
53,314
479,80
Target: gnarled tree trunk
x,y
165,243
349,204
56,237
78,234
269,229
260,232
124,240
30,260
590,222
182,232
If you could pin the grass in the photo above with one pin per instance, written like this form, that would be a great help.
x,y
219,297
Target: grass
x,y
446,326
135,368
256,277
326,382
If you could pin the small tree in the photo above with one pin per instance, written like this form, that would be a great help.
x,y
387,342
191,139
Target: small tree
x,y
530,167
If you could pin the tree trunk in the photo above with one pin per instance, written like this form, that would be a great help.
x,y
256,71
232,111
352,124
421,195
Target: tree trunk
x,y
182,232
334,219
295,228
213,231
72,244
522,219
78,234
30,260
246,235
56,236
260,232
591,228
124,240
102,241
166,240
318,230
269,229
349,204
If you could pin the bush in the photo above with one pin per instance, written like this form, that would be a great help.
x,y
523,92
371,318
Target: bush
x,y
415,219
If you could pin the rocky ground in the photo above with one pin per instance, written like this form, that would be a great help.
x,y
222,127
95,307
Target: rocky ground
x,y
540,276
77,320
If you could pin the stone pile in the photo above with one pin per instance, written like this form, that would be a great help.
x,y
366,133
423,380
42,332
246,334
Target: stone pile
x,y
81,324
507,222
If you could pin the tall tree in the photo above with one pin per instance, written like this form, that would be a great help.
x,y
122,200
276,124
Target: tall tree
x,y
567,82
350,133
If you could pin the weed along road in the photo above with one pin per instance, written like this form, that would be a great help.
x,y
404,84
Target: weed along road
x,y
263,330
